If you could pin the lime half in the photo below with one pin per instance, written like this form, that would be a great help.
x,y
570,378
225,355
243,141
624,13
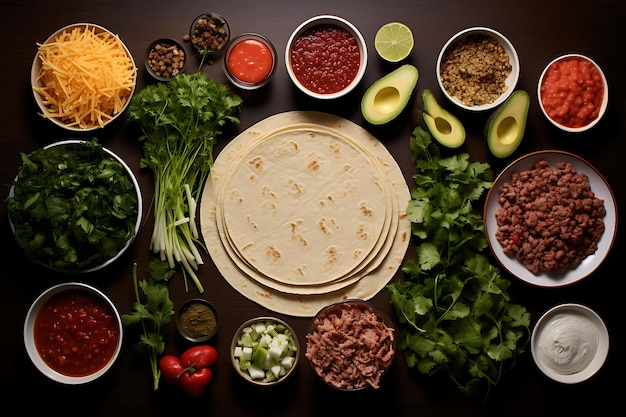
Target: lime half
x,y
394,41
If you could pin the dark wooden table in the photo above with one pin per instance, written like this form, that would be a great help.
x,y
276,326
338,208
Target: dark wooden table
x,y
539,30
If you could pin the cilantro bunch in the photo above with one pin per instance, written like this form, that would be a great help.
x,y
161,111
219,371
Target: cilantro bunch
x,y
180,121
455,313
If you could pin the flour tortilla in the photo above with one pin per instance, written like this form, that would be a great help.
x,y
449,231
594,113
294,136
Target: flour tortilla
x,y
298,304
305,208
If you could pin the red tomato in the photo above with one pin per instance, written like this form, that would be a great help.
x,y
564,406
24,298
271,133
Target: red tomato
x,y
171,368
194,383
199,357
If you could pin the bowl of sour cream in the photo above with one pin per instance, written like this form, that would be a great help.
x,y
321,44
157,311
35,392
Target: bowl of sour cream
x,y
570,343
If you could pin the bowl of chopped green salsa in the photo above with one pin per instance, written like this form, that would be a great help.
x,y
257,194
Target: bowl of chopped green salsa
x,y
74,206
265,351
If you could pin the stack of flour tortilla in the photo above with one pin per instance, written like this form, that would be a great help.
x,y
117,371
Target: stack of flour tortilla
x,y
305,209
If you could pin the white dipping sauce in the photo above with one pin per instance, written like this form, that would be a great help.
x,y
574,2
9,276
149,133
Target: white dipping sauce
x,y
567,343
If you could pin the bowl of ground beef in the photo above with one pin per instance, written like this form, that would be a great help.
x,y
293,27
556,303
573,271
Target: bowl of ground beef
x,y
350,345
478,69
550,218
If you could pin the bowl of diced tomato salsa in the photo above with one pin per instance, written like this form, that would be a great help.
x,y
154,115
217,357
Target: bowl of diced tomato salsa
x,y
573,92
326,57
73,333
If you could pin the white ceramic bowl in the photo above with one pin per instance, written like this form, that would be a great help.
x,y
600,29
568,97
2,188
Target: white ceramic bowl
x,y
244,327
511,80
602,106
323,20
570,343
113,319
600,188
135,183
36,68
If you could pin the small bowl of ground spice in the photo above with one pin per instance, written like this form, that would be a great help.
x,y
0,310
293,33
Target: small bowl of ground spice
x,y
196,320
573,93
209,34
165,58
478,69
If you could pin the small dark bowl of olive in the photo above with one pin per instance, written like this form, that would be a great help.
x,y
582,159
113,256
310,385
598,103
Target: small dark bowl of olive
x,y
165,58
209,34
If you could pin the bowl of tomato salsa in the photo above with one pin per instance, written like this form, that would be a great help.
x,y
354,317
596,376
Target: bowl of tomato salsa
x,y
249,61
326,57
73,333
573,93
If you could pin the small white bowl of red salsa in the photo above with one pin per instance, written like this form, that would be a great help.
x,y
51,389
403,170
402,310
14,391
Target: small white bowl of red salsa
x,y
326,57
573,92
73,333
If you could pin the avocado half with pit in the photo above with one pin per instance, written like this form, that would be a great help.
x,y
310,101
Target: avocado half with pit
x,y
505,127
385,99
443,126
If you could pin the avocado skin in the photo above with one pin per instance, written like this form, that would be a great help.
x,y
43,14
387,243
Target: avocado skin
x,y
402,82
515,107
430,116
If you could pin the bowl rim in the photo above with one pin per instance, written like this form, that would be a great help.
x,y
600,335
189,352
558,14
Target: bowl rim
x,y
601,189
332,19
29,342
353,301
183,307
210,52
602,349
152,44
233,344
135,182
511,80
236,40
605,96
36,67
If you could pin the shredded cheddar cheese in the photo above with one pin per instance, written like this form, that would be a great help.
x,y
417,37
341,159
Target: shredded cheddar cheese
x,y
86,77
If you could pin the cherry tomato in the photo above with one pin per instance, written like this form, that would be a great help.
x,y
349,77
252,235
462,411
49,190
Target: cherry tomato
x,y
199,357
171,368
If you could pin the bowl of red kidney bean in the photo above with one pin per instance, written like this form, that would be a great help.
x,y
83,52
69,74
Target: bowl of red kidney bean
x,y
73,333
573,93
326,57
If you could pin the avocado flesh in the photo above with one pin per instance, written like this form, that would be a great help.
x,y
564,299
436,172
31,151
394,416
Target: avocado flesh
x,y
385,99
506,126
446,128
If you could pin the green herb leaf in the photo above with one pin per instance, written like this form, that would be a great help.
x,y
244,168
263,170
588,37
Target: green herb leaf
x,y
455,313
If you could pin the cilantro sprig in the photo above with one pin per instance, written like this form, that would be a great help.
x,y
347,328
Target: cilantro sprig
x,y
454,309
151,312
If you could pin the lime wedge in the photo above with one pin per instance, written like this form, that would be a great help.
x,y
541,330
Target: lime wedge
x,y
394,41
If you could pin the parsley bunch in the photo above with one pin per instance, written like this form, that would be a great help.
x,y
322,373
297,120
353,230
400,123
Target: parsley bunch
x,y
455,313
180,121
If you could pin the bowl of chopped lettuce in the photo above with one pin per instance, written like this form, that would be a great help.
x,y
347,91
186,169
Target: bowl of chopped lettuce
x,y
265,351
74,206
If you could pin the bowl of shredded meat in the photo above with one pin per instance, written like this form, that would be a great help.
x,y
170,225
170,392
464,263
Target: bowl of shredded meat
x,y
350,345
478,69
550,218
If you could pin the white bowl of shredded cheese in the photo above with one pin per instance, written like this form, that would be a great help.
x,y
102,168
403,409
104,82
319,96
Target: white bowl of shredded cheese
x,y
570,343
83,77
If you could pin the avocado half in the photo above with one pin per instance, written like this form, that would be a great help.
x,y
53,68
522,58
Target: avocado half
x,y
505,128
385,99
443,126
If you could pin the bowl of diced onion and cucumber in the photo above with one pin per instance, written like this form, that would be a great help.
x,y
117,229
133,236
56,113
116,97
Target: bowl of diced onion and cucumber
x,y
265,350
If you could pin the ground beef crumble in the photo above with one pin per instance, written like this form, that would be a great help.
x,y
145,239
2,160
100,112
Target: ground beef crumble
x,y
350,346
549,219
